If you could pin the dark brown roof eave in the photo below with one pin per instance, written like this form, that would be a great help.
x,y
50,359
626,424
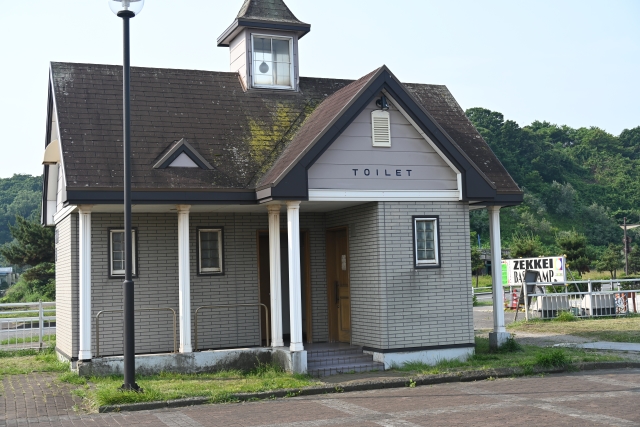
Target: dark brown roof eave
x,y
241,23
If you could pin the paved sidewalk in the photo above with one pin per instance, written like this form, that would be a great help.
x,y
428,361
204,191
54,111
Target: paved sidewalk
x,y
596,398
35,396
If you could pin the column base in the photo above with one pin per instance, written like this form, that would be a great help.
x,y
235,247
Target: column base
x,y
498,339
186,349
296,346
277,343
85,355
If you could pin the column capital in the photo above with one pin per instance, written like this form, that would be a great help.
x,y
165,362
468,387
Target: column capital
x,y
85,208
183,208
293,204
493,208
274,208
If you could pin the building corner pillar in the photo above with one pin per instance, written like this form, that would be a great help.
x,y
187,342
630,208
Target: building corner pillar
x,y
275,276
499,335
84,294
184,279
295,292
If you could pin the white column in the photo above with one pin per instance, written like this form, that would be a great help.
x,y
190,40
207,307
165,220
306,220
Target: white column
x,y
295,294
84,229
184,279
499,334
275,276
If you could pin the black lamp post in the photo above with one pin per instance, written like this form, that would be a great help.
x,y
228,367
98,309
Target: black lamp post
x,y
127,9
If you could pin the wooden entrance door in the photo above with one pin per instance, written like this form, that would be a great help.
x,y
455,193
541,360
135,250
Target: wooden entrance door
x,y
339,291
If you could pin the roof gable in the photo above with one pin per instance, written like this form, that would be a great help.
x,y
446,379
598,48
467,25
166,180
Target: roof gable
x,y
288,176
410,163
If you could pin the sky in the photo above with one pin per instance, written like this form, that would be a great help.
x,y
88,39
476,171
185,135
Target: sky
x,y
563,61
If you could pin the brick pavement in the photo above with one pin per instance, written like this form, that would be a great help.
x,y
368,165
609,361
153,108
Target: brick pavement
x,y
34,396
595,398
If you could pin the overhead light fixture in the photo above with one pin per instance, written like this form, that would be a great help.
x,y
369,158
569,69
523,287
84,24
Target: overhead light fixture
x,y
382,103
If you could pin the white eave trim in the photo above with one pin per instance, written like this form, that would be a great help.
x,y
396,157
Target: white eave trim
x,y
383,196
63,213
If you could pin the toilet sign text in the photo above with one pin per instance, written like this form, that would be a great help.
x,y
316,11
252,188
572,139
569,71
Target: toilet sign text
x,y
382,172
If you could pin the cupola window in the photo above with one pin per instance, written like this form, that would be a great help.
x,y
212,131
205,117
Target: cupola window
x,y
272,64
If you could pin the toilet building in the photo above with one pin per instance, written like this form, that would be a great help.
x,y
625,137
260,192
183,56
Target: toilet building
x,y
272,213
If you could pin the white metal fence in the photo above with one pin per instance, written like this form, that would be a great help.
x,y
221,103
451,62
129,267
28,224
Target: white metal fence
x,y
602,298
27,325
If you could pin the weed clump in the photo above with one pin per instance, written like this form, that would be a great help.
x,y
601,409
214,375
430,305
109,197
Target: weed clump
x,y
565,316
555,358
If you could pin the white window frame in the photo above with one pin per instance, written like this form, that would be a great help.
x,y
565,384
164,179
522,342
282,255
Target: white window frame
x,y
291,72
121,273
209,270
436,241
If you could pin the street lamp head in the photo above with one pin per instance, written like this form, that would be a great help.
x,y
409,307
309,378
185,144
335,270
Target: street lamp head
x,y
126,8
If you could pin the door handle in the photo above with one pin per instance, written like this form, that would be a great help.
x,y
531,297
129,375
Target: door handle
x,y
337,295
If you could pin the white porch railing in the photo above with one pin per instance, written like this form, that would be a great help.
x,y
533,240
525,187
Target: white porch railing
x,y
612,300
27,325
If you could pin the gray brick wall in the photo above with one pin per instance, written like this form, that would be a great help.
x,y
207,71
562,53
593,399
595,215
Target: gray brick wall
x,y
394,305
67,286
426,307
157,281
156,284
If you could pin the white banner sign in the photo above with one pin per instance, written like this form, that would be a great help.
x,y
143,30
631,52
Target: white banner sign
x,y
551,269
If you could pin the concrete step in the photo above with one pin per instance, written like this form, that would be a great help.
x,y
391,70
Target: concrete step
x,y
329,352
341,359
346,369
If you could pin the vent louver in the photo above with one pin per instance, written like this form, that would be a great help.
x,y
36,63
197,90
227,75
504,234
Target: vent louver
x,y
381,128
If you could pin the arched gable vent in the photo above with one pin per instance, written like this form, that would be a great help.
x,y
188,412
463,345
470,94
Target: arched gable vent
x,y
381,128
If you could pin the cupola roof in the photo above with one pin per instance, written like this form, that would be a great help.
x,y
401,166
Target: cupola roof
x,y
265,14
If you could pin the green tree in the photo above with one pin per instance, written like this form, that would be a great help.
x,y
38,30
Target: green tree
x,y
574,247
19,195
611,260
634,260
526,246
33,248
33,244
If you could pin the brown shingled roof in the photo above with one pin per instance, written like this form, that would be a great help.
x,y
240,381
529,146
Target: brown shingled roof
x,y
245,136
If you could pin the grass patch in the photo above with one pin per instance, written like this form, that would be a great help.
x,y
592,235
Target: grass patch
x,y
28,361
219,387
483,303
18,340
511,355
8,315
483,281
623,329
565,316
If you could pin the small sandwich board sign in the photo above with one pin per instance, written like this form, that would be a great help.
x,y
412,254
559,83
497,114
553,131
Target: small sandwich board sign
x,y
550,269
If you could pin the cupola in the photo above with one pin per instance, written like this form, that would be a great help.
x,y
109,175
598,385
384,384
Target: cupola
x,y
263,43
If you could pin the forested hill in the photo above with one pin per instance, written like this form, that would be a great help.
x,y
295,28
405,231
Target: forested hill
x,y
19,195
584,179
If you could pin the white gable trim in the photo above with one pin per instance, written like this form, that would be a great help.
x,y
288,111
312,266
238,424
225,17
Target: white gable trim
x,y
384,196
429,141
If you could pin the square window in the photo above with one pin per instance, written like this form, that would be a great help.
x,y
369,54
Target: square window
x,y
210,251
425,230
272,62
116,253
